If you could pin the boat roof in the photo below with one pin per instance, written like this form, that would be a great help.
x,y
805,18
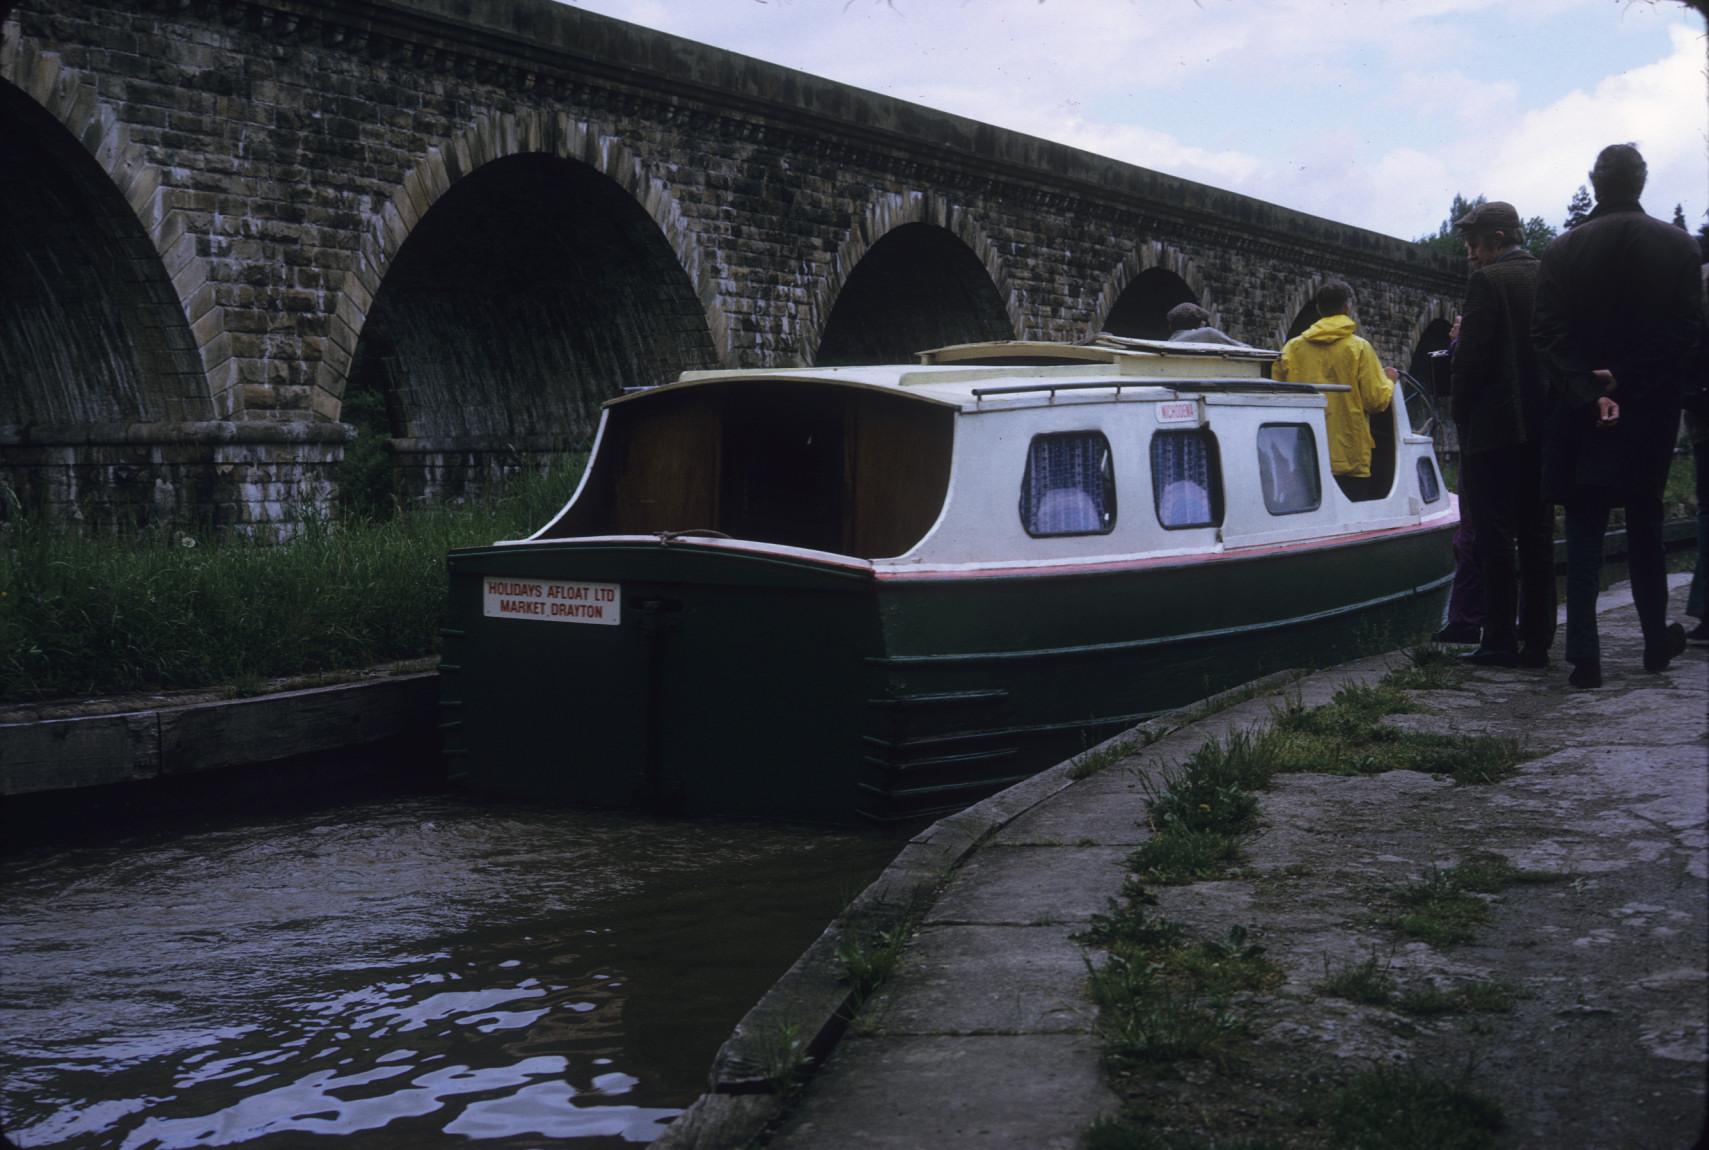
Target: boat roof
x,y
1102,348
1007,373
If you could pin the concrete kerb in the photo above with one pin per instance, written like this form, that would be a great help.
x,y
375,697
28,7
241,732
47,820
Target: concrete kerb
x,y
812,1002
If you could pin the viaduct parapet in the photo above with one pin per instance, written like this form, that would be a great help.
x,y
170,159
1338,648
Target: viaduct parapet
x,y
237,236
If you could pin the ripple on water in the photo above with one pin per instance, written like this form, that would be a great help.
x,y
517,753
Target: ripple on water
x,y
412,973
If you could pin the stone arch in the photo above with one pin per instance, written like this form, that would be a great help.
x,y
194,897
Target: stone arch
x,y
1437,310
1149,255
1429,332
145,321
1297,307
882,218
491,137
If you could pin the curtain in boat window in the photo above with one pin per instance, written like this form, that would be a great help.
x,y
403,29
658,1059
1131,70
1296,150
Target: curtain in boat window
x,y
1186,480
1287,468
1069,487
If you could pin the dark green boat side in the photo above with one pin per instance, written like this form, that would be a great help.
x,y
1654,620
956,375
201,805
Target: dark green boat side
x,y
988,680
746,682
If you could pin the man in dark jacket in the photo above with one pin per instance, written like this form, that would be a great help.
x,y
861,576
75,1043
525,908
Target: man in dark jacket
x,y
1617,314
1497,404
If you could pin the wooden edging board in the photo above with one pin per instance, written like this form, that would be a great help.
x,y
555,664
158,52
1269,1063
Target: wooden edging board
x,y
63,754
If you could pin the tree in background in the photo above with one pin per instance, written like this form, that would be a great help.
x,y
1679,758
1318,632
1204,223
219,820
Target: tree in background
x,y
1679,217
1536,237
1578,209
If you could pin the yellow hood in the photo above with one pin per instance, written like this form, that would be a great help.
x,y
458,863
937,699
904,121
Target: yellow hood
x,y
1330,329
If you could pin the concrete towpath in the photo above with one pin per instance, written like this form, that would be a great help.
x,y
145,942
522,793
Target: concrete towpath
x,y
985,1036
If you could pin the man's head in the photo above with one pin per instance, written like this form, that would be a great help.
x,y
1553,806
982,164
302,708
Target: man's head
x,y
1490,230
1184,316
1619,173
1335,297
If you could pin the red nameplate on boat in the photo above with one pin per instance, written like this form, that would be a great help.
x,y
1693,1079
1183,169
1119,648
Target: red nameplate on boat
x,y
551,600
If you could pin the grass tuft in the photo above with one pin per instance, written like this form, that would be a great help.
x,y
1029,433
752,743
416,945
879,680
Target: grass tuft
x,y
1437,910
1401,1108
1429,668
1366,982
1163,996
1481,997
1183,856
1089,763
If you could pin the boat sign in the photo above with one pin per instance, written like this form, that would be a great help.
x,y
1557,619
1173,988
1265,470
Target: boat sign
x,y
551,600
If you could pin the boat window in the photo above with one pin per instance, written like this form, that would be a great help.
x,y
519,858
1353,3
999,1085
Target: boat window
x,y
1428,485
1186,478
1070,485
1287,468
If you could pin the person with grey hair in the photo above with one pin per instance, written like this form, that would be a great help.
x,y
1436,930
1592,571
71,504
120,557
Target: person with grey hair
x,y
1190,323
1618,312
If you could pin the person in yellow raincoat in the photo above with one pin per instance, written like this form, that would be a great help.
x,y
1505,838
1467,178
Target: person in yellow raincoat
x,y
1330,351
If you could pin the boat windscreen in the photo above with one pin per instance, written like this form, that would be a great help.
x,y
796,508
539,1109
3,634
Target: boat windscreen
x,y
841,469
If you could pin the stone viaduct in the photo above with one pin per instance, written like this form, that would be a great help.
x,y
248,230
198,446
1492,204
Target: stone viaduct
x,y
241,239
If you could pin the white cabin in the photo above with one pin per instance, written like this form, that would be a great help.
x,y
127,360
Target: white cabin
x,y
993,456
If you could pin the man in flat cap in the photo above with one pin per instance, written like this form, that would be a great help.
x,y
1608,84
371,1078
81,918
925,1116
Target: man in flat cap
x,y
1497,405
1619,307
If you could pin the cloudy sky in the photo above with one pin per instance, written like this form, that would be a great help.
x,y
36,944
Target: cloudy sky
x,y
1373,112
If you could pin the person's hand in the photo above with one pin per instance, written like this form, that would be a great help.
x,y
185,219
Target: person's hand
x,y
1392,372
1607,412
1454,330
1607,379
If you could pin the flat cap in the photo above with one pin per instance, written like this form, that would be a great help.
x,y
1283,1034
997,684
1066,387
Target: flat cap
x,y
1496,215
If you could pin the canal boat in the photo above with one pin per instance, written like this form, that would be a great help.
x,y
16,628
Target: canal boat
x,y
890,591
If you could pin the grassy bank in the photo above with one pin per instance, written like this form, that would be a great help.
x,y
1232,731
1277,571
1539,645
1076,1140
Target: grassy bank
x,y
82,615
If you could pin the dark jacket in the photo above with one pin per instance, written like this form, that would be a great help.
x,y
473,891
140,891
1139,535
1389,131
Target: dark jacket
x,y
1497,391
1620,291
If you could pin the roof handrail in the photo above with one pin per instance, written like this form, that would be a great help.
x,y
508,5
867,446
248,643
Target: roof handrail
x,y
1274,386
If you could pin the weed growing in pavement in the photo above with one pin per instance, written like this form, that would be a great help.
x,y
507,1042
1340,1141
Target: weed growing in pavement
x,y
1348,737
1429,668
1481,997
869,961
783,1056
1146,1016
1183,855
1444,907
1163,996
1088,763
1402,1108
1438,910
1120,1134
1367,982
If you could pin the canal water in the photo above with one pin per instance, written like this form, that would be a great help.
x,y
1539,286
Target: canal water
x,y
409,972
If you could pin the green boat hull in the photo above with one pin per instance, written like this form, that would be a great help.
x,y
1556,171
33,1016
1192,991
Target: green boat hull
x,y
751,683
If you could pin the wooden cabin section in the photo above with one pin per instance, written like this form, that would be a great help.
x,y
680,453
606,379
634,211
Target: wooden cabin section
x,y
854,471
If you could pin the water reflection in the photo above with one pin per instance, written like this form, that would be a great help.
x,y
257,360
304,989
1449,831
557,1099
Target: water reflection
x,y
413,972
